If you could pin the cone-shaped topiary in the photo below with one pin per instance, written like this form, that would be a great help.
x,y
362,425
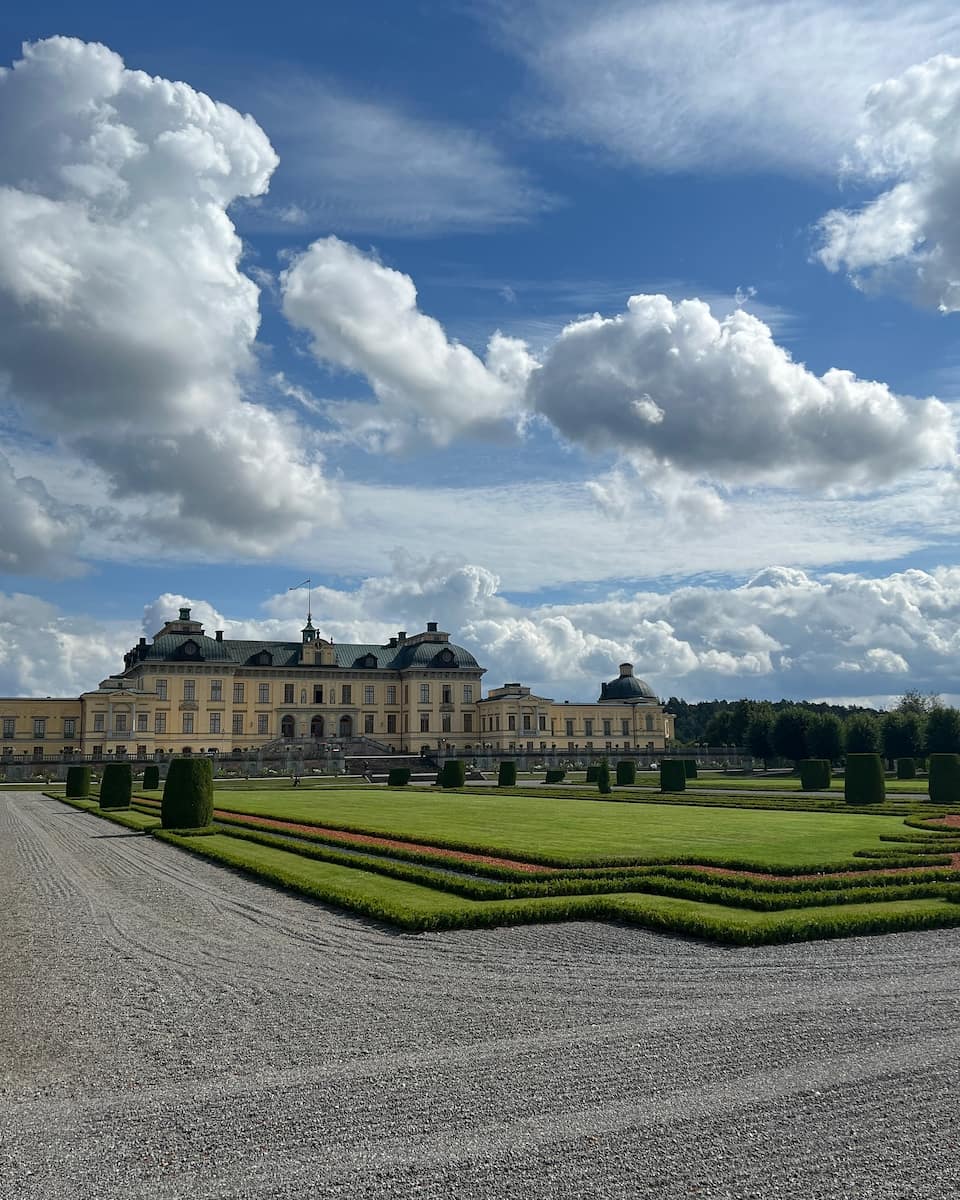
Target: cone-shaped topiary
x,y
603,778
116,786
863,781
453,773
398,777
906,768
555,775
187,794
592,772
507,775
814,774
78,781
626,772
690,768
944,778
151,777
673,775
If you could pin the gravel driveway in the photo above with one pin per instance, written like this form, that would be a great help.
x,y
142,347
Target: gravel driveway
x,y
168,1029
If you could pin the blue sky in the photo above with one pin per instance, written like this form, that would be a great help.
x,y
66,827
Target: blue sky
x,y
346,292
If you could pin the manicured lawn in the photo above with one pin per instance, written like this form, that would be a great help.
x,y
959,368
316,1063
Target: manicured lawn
x,y
788,783
576,831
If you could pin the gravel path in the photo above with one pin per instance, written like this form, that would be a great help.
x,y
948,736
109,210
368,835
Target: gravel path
x,y
168,1029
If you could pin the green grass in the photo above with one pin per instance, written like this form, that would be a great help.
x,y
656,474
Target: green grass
x,y
571,832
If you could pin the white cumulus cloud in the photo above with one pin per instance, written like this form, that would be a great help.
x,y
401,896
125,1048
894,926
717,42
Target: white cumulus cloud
x,y
906,240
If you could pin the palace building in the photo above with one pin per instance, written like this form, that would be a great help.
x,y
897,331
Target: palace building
x,y
187,692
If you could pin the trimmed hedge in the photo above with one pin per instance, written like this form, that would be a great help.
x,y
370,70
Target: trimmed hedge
x,y
187,794
690,768
603,778
814,774
906,768
863,781
673,775
453,773
151,777
944,779
398,777
626,772
78,781
593,772
555,775
507,775
116,785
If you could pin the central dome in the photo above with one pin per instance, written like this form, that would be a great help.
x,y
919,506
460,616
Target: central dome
x,y
626,688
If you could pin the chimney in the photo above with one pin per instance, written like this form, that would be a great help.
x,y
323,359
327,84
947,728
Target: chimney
x,y
219,635
402,635
393,641
184,614
143,641
431,627
626,669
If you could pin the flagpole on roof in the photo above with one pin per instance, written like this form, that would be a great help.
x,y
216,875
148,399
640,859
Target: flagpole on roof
x,y
308,584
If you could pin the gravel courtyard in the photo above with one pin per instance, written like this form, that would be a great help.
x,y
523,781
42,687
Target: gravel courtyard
x,y
168,1029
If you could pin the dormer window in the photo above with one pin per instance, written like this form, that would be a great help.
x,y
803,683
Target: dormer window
x,y
445,657
263,659
369,661
189,649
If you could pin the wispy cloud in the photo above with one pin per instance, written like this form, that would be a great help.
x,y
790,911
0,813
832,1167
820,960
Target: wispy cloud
x,y
352,165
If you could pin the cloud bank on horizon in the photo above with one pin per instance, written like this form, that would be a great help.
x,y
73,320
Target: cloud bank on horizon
x,y
143,406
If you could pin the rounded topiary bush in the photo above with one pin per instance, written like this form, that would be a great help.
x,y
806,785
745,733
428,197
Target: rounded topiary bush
x,y
673,775
944,778
151,777
555,775
863,781
603,778
507,775
690,768
453,773
78,781
187,794
814,774
116,786
398,777
906,768
626,772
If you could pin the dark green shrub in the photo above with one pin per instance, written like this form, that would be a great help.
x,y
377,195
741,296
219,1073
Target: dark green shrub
x,y
151,777
944,782
690,768
555,775
507,775
453,773
862,734
906,768
814,774
398,777
593,773
116,786
673,775
863,781
603,778
78,781
626,772
187,794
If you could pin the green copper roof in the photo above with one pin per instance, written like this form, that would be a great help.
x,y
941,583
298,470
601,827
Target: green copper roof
x,y
170,647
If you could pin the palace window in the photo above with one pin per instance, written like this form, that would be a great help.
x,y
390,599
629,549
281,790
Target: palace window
x,y
568,728
238,723
189,689
160,687
188,722
511,722
392,694
588,727
238,693
216,690
263,723
368,694
527,723
120,723
625,727
424,693
347,693
288,693
445,723
39,727
263,693
368,722
9,727
160,722
424,722
542,723
141,722
318,693
97,752
468,693
392,723
607,728
648,723
69,727
468,722
99,722
446,694
214,722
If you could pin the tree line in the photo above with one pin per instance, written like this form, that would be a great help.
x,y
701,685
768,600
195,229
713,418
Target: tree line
x,y
919,725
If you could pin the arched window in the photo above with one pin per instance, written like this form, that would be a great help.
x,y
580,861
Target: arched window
x,y
316,727
288,727
345,728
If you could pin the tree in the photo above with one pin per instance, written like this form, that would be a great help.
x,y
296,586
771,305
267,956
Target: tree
x,y
862,734
903,732
790,733
943,731
825,737
759,737
920,703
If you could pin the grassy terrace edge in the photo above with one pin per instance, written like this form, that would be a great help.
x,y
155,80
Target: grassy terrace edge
x,y
415,906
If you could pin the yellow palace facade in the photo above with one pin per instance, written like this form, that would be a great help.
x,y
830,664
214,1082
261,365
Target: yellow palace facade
x,y
187,692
